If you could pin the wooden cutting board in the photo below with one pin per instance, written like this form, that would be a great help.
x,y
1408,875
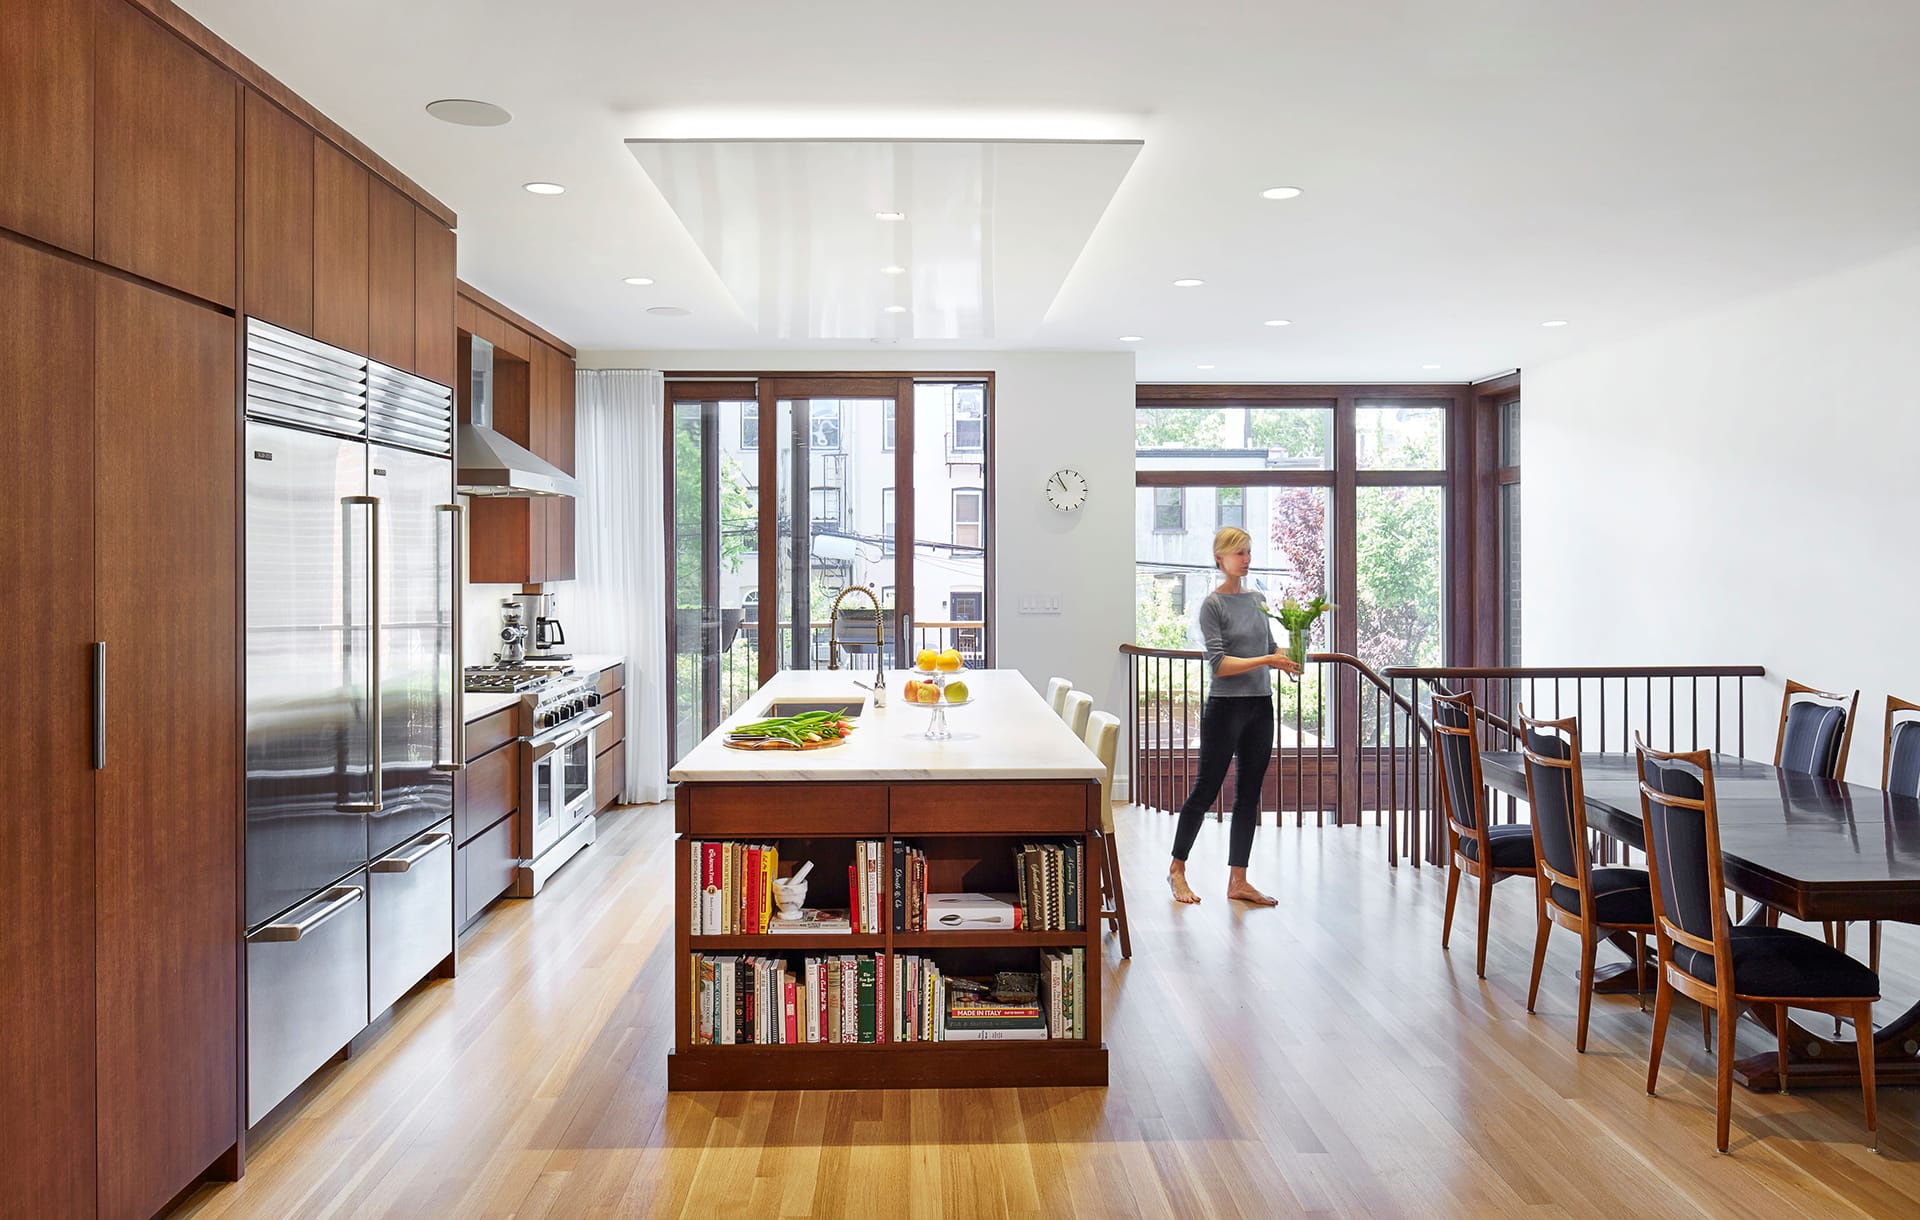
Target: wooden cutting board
x,y
774,743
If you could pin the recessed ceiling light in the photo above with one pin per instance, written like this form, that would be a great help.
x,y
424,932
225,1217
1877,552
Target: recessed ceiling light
x,y
1188,283
1279,322
894,309
1129,338
1203,366
546,188
895,270
889,215
638,281
668,311
1429,366
1555,322
1281,192
468,113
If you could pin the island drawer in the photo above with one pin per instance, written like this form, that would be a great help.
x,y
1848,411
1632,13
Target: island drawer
x,y
1013,807
778,810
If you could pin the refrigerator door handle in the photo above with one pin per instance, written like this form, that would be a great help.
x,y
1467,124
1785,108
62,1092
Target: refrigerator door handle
x,y
374,642
457,567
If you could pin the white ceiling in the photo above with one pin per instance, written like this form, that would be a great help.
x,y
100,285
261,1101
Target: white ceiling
x,y
1470,169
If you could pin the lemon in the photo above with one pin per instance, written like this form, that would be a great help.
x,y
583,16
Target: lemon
x,y
925,658
948,661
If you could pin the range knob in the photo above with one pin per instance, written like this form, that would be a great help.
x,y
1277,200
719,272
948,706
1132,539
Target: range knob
x,y
593,698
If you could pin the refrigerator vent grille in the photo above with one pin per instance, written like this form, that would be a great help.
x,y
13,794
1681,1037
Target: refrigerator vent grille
x,y
292,379
409,411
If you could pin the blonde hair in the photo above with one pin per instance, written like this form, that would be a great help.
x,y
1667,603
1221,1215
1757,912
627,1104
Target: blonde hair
x,y
1228,540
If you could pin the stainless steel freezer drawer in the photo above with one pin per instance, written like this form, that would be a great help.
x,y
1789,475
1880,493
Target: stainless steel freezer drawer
x,y
409,914
306,991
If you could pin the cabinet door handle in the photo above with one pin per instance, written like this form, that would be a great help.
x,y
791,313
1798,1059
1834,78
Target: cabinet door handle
x,y
99,705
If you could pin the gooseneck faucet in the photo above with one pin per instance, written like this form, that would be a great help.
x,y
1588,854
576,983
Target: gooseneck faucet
x,y
879,642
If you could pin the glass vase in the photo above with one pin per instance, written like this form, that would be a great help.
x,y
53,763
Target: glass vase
x,y
1297,645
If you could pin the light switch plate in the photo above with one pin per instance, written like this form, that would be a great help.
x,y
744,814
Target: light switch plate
x,y
1040,603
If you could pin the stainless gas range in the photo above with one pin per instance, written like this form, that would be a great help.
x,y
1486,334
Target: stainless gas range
x,y
560,717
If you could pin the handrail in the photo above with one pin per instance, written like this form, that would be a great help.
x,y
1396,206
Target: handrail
x,y
1431,672
1324,658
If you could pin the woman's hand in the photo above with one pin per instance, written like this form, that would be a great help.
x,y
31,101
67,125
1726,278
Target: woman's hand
x,y
1284,663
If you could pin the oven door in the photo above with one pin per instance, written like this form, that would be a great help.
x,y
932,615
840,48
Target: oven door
x,y
559,782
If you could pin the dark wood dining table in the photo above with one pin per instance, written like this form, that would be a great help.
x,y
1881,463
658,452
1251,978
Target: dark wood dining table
x,y
1815,849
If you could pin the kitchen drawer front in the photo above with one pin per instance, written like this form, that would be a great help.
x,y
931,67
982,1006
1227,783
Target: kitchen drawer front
x,y
491,732
409,914
491,790
780,810
609,776
613,731
488,863
306,991
1012,807
611,680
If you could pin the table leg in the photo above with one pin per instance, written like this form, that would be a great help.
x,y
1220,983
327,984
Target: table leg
x,y
1617,977
1819,1061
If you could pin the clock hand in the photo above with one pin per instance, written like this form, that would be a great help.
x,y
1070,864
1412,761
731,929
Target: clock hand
x,y
1061,481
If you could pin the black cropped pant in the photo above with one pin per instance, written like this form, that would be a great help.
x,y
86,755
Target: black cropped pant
x,y
1236,728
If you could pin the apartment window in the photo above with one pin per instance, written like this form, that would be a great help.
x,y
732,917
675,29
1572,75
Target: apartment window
x,y
969,430
826,506
1169,510
749,425
886,427
968,606
887,520
1174,589
968,516
823,433
1231,505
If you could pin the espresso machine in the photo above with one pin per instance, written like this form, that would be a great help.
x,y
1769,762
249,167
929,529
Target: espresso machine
x,y
536,616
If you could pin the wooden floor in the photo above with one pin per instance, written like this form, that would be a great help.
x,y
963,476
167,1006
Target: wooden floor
x,y
1324,1058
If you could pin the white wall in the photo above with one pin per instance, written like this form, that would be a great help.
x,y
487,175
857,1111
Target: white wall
x,y
1051,409
1738,489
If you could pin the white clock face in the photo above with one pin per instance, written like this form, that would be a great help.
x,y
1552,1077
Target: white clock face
x,y
1066,489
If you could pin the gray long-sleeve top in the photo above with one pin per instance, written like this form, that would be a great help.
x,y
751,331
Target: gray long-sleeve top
x,y
1232,625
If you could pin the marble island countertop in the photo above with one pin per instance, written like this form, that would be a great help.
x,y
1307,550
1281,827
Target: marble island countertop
x,y
481,704
1007,732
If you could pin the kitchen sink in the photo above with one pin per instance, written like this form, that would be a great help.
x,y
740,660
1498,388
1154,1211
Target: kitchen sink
x,y
794,707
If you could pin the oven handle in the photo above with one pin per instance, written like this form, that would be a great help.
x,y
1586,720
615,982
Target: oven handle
x,y
572,731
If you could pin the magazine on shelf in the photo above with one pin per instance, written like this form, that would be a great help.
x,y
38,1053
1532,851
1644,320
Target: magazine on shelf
x,y
812,922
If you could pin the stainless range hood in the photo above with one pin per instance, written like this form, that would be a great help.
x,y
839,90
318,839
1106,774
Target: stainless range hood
x,y
490,464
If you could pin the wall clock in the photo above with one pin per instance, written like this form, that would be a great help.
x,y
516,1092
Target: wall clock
x,y
1066,489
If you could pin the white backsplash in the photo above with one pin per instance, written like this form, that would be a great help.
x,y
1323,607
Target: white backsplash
x,y
480,615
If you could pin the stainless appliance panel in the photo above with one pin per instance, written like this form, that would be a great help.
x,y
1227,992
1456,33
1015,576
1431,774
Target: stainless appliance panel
x,y
419,663
409,915
309,664
306,991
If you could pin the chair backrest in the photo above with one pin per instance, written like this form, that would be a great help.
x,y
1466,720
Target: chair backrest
x,y
1900,764
1558,798
1816,728
1457,754
1682,833
1057,689
1103,738
1079,706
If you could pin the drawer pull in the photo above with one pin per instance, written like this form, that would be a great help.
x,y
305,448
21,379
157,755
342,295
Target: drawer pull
x,y
422,847
333,902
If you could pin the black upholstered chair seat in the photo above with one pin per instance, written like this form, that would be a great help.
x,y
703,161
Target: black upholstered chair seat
x,y
1781,962
1512,846
1621,897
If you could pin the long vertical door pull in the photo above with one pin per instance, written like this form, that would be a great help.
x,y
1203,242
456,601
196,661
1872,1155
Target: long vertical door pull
x,y
99,705
457,575
374,764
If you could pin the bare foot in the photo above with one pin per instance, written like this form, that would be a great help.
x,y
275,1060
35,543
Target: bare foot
x,y
1240,891
1182,892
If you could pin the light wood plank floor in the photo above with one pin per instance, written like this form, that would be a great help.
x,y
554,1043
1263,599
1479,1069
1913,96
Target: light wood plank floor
x,y
1324,1058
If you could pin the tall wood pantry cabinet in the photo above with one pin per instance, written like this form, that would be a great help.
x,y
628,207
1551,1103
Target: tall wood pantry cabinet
x,y
118,1064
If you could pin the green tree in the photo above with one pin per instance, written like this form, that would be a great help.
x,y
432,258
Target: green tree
x,y
738,524
1179,428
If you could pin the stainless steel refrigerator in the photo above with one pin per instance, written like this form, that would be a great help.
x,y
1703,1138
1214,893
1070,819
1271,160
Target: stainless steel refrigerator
x,y
353,690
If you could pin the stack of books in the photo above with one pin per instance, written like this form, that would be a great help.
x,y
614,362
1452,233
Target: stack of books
x,y
1053,882
909,888
732,887
985,1018
764,1001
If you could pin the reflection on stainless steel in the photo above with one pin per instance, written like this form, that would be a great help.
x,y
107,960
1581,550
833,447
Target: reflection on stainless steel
x,y
306,995
407,915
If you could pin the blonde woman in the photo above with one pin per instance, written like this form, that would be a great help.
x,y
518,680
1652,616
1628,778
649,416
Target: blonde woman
x,y
1236,723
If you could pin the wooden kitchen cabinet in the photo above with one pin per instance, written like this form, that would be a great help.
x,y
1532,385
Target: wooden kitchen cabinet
x,y
433,293
486,803
165,567
519,540
340,293
555,437
46,121
278,216
390,270
47,930
166,156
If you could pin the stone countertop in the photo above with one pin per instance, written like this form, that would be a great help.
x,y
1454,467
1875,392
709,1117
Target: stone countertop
x,y
1007,732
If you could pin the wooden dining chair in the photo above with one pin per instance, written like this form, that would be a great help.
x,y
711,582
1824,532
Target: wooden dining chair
x,y
1816,728
1488,853
1103,738
1899,776
1722,965
1057,689
1078,708
1590,902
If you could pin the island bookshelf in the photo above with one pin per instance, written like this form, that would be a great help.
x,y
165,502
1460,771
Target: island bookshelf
x,y
969,831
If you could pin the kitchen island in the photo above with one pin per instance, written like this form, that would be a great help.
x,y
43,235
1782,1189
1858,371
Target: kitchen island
x,y
1012,775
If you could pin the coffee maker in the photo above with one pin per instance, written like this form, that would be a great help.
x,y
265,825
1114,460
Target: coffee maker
x,y
536,614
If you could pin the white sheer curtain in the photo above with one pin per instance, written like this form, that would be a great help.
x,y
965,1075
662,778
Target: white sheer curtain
x,y
621,593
